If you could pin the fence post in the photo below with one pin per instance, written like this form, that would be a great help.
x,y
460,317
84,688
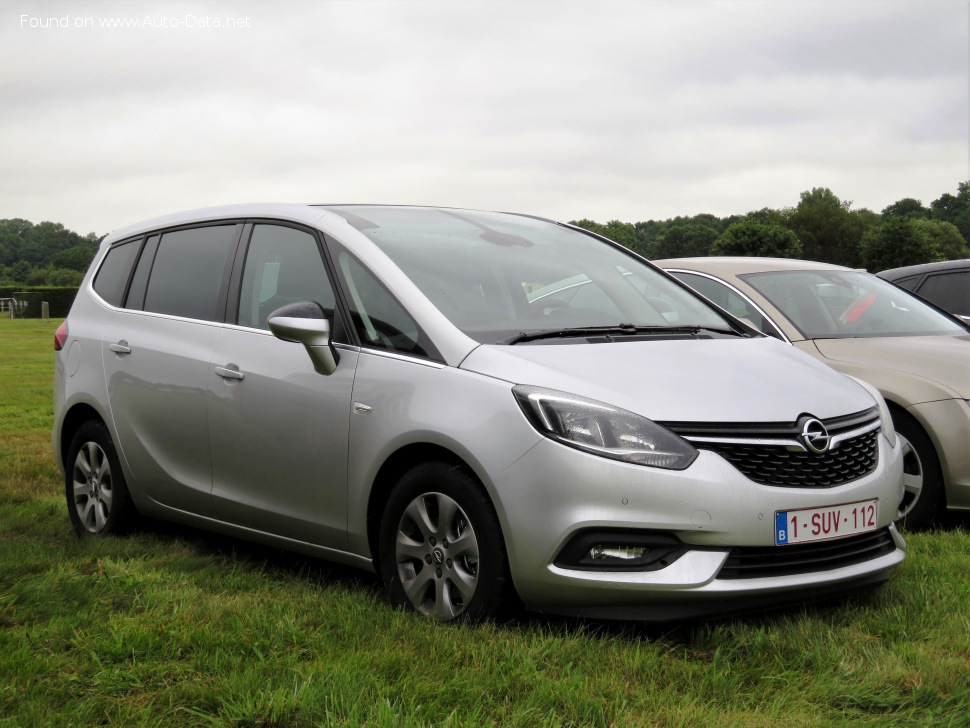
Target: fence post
x,y
45,311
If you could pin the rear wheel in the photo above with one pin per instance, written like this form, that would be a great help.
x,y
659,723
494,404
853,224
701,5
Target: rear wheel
x,y
922,475
97,495
441,547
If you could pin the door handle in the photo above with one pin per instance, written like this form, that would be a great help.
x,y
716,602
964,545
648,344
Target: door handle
x,y
120,348
229,371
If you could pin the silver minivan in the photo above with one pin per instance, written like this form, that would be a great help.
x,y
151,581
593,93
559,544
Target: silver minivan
x,y
483,408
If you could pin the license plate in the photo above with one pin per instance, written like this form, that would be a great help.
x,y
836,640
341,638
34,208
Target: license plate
x,y
820,524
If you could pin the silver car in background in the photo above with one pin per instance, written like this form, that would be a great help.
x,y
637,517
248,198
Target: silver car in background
x,y
481,407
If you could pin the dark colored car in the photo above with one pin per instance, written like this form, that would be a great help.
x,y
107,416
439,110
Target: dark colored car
x,y
945,284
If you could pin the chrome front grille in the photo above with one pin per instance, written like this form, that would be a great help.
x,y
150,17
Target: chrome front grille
x,y
776,453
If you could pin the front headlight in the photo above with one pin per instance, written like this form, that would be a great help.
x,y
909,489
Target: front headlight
x,y
602,429
888,429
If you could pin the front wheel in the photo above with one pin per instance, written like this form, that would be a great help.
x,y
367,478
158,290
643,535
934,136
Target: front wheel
x,y
441,547
922,475
97,496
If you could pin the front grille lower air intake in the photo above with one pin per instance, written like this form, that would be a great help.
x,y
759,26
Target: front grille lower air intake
x,y
761,562
777,453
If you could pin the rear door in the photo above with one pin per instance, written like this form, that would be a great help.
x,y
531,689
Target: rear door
x,y
156,357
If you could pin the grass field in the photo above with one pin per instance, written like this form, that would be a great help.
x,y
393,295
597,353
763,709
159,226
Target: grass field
x,y
176,627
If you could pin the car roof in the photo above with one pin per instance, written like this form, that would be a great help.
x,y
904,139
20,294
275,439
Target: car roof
x,y
732,266
893,274
309,214
293,212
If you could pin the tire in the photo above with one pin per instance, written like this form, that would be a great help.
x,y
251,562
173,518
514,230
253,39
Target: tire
x,y
922,476
98,501
441,547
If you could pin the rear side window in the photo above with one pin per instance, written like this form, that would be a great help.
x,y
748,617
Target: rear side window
x,y
949,291
189,271
908,283
139,281
112,278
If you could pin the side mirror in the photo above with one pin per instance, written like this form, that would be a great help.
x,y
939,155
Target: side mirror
x,y
304,323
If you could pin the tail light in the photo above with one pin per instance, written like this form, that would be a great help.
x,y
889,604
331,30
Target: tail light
x,y
60,336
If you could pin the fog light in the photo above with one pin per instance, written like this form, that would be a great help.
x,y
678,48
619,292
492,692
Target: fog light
x,y
608,549
616,552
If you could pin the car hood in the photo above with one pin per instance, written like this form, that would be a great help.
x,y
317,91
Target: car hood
x,y
942,359
706,380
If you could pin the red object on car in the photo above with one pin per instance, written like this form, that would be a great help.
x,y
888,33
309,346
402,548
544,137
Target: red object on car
x,y
60,336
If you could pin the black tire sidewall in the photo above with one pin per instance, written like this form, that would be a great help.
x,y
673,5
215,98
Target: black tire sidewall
x,y
459,484
120,518
931,496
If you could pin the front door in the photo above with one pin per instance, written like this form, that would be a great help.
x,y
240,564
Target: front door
x,y
278,431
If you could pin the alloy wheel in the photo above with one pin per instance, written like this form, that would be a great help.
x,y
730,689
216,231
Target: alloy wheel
x,y
912,477
437,553
93,491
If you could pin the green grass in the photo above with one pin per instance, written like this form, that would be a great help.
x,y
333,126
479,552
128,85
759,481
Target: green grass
x,y
175,627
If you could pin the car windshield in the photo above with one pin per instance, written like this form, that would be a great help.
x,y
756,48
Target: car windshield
x,y
497,276
848,304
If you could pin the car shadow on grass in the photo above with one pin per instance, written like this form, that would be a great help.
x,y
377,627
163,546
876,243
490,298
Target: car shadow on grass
x,y
260,556
684,632
687,632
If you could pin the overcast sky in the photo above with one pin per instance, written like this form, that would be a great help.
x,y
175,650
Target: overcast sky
x,y
606,110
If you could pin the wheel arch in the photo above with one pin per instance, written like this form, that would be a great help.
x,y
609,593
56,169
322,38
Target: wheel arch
x,y
76,416
391,470
899,412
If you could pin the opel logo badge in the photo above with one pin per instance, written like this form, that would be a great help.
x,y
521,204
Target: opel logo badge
x,y
814,436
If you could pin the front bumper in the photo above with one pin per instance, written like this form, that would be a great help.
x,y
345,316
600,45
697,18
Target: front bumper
x,y
948,424
554,492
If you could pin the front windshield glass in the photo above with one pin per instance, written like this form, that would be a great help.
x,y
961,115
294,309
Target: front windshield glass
x,y
496,275
845,304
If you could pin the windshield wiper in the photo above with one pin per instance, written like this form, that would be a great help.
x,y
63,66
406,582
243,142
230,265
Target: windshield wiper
x,y
619,330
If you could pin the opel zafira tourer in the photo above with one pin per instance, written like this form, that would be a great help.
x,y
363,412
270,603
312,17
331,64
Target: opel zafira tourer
x,y
423,393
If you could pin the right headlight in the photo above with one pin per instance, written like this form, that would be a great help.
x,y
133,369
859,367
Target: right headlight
x,y
888,429
602,429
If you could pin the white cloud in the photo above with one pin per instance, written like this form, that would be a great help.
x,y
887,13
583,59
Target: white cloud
x,y
629,110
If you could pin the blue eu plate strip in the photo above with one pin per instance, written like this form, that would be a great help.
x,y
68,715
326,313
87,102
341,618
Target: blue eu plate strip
x,y
781,527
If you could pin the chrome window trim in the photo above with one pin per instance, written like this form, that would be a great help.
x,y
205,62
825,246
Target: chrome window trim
x,y
155,314
733,288
401,357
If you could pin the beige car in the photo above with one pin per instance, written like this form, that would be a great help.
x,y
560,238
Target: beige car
x,y
917,356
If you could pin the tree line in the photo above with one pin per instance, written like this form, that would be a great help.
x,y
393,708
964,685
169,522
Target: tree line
x,y
43,254
820,227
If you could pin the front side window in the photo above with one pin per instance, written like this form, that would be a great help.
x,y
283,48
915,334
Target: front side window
x,y
729,300
828,304
283,266
495,276
381,322
189,270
